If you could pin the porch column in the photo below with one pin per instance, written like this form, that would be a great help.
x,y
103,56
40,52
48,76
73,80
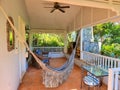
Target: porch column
x,y
65,42
30,40
81,43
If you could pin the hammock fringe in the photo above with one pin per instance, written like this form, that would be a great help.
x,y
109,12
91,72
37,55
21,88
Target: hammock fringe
x,y
51,77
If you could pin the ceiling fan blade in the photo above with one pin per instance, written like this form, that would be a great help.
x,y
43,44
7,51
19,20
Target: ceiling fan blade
x,y
53,10
64,6
48,7
61,10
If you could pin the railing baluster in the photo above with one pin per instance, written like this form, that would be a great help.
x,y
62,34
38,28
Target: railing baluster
x,y
50,49
111,63
114,64
103,62
100,60
108,63
97,60
94,59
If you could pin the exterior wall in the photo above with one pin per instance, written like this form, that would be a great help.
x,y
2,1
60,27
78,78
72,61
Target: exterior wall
x,y
9,61
88,44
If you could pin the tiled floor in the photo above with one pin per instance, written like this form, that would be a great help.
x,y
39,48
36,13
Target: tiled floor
x,y
33,79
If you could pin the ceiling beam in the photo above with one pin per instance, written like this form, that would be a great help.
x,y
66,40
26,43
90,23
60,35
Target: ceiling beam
x,y
60,31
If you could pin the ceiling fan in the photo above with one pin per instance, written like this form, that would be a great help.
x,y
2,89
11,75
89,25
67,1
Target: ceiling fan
x,y
57,6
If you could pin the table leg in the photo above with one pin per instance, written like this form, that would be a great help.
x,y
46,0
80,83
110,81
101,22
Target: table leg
x,y
82,72
100,83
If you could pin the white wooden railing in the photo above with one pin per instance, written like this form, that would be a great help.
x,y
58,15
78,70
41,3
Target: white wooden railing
x,y
113,79
103,61
106,63
50,49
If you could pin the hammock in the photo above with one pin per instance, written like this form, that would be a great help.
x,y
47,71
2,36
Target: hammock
x,y
52,77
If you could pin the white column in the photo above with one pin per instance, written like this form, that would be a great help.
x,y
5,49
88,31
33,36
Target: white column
x,y
65,42
30,40
81,44
92,38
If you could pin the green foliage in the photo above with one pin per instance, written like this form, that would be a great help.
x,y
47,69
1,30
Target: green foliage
x,y
112,50
117,50
47,40
107,50
101,31
71,40
72,36
109,35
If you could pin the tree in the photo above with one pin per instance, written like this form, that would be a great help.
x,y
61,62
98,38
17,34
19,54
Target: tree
x,y
46,39
108,33
101,31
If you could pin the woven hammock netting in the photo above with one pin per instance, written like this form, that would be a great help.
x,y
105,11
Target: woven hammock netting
x,y
52,77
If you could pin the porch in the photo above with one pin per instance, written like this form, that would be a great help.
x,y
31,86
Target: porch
x,y
33,78
32,16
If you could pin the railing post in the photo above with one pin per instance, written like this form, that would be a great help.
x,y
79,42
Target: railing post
x,y
110,80
116,80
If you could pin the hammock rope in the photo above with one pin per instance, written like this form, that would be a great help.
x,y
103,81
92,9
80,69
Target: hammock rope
x,y
52,77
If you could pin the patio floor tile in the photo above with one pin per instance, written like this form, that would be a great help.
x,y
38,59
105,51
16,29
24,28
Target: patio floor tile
x,y
33,79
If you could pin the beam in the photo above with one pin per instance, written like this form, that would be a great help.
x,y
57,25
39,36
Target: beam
x,y
57,31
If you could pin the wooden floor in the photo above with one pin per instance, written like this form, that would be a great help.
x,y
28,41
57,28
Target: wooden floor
x,y
33,79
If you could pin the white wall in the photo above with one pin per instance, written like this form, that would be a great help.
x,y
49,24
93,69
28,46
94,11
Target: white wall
x,y
9,61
